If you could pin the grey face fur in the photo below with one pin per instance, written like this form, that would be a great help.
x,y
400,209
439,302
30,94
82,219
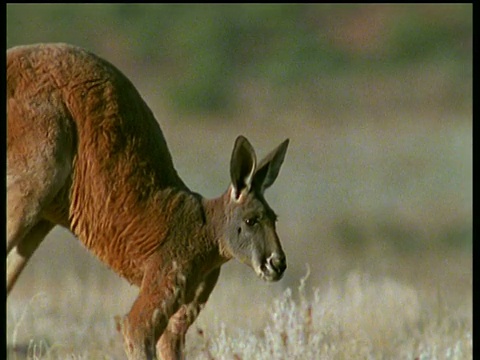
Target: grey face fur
x,y
252,237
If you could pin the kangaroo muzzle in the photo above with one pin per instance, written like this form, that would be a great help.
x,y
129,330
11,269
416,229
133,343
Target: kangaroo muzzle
x,y
272,268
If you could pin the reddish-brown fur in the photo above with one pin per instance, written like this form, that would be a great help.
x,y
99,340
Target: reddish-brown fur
x,y
84,151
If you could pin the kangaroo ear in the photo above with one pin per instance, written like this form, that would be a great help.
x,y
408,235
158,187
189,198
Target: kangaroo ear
x,y
242,166
269,167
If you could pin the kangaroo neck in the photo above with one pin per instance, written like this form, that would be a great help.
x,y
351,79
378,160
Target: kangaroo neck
x,y
216,219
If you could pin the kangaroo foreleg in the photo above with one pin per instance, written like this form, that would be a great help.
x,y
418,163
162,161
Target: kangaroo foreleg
x,y
159,298
172,342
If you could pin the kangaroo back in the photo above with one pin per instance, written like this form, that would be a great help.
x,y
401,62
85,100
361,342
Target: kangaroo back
x,y
113,125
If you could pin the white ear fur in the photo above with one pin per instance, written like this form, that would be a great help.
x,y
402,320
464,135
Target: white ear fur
x,y
237,197
249,178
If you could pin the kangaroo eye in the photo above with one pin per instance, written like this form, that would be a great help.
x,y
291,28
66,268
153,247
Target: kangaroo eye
x,y
251,221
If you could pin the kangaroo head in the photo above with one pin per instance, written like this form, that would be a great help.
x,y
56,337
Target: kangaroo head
x,y
250,225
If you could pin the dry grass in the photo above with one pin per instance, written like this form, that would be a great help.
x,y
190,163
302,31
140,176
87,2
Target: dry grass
x,y
359,317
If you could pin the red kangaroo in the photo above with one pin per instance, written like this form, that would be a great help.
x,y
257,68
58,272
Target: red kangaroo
x,y
84,151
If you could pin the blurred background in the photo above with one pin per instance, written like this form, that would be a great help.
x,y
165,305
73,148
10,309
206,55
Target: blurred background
x,y
377,103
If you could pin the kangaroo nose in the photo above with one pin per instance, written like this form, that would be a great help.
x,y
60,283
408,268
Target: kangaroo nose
x,y
278,263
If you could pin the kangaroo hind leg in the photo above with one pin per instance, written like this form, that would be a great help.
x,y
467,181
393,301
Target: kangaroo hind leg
x,y
20,254
39,153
